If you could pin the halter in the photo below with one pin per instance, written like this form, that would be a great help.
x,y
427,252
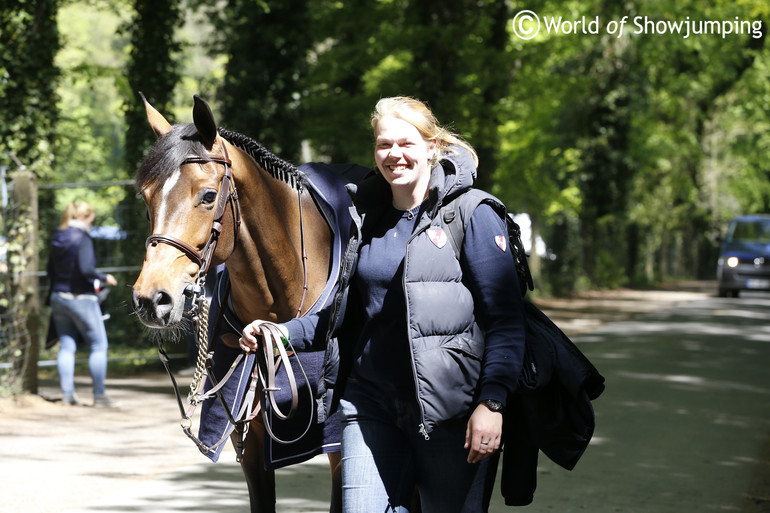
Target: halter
x,y
203,258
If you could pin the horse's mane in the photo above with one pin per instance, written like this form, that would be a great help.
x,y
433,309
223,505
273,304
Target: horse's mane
x,y
173,148
269,161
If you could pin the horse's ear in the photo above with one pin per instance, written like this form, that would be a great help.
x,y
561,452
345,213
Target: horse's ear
x,y
204,122
158,123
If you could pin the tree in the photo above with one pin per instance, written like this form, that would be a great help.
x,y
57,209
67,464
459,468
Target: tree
x,y
433,51
28,79
266,44
606,136
152,70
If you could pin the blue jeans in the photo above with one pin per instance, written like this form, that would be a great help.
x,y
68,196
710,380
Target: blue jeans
x,y
384,457
79,320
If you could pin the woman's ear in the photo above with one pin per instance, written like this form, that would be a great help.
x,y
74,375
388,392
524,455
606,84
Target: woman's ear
x,y
432,153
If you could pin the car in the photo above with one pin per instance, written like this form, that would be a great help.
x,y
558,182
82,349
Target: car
x,y
744,259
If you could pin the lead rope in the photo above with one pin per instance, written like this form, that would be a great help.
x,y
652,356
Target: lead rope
x,y
201,320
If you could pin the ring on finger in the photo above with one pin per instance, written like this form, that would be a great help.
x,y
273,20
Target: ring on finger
x,y
484,443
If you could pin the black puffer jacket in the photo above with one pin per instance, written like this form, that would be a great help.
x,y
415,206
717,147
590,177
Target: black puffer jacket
x,y
446,343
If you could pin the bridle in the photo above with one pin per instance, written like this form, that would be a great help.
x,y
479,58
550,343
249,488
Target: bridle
x,y
203,257
265,368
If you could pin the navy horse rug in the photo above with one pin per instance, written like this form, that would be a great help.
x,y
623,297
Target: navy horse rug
x,y
326,184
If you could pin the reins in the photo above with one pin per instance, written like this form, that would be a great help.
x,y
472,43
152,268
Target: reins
x,y
263,373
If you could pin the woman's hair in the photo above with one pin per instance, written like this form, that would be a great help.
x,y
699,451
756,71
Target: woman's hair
x,y
418,114
76,210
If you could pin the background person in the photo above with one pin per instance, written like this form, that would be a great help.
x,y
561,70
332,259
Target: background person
x,y
429,347
75,310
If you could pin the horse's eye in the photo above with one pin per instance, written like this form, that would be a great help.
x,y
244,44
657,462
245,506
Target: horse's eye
x,y
209,197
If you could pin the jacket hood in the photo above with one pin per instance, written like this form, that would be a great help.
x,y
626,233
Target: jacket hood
x,y
63,240
454,173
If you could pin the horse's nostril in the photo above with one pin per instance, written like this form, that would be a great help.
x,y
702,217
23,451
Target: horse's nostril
x,y
162,298
135,299
155,310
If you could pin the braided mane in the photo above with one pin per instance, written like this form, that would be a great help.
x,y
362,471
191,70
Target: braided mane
x,y
270,162
172,149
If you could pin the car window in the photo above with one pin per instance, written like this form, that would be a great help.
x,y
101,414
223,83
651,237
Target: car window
x,y
750,231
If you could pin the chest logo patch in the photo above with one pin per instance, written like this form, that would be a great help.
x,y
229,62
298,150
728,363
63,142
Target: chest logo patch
x,y
437,237
501,242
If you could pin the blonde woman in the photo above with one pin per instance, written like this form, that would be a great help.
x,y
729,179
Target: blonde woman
x,y
75,310
423,348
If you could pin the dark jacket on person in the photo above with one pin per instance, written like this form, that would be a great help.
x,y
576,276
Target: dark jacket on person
x,y
71,268
551,410
72,261
446,343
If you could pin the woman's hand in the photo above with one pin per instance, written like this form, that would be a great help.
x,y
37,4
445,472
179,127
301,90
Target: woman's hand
x,y
111,281
483,434
249,341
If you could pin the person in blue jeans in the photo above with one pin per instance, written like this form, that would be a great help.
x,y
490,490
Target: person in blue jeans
x,y
75,310
423,348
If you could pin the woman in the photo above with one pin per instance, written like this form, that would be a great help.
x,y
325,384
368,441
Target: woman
x,y
75,310
427,348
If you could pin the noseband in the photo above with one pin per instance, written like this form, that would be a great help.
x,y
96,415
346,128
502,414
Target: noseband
x,y
225,194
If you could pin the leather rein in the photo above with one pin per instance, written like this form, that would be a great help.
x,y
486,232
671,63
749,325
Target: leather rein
x,y
263,374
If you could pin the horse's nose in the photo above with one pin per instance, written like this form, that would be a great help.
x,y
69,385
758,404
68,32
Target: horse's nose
x,y
154,310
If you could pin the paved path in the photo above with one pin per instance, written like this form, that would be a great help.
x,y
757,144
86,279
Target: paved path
x,y
682,427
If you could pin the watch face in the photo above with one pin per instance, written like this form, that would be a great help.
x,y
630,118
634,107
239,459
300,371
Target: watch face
x,y
494,405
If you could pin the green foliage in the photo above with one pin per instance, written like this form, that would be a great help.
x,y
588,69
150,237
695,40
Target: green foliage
x,y
152,69
28,79
614,131
90,131
458,64
266,45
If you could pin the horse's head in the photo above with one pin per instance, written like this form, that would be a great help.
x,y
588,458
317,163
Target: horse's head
x,y
185,184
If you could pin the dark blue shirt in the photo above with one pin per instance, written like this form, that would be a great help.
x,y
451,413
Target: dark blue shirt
x,y
382,356
382,352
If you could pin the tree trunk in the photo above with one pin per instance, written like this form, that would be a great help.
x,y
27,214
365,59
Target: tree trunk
x,y
25,194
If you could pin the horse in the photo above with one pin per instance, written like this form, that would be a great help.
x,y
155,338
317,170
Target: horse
x,y
201,183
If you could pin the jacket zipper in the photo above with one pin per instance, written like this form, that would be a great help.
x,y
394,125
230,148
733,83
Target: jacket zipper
x,y
421,427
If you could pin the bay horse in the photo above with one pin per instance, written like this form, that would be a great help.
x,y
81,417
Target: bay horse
x,y
270,235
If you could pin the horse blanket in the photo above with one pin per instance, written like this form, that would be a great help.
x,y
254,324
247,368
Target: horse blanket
x,y
326,184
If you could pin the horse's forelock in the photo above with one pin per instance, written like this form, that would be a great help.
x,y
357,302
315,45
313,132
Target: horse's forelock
x,y
168,154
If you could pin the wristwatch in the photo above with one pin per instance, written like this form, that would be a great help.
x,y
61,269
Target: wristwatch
x,y
493,405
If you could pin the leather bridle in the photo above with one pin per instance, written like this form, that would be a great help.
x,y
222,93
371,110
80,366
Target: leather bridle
x,y
226,194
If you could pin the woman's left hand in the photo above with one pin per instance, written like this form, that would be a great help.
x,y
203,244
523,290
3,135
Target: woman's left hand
x,y
483,433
